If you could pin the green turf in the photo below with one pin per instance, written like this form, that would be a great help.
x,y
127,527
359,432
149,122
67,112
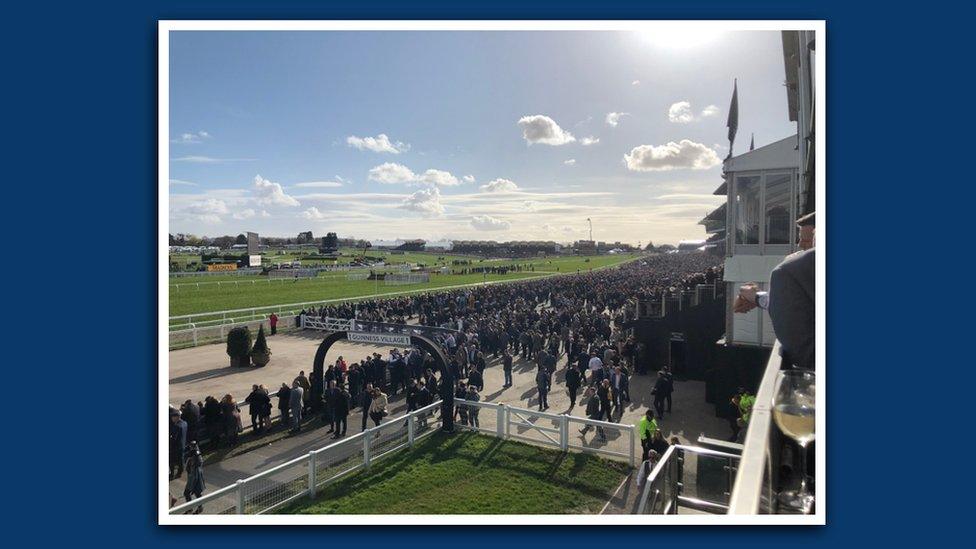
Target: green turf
x,y
240,292
470,473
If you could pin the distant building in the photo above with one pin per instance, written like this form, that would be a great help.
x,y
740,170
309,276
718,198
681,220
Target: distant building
x,y
416,245
585,247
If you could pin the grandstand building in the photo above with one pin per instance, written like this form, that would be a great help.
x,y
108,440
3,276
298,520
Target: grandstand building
x,y
416,245
515,248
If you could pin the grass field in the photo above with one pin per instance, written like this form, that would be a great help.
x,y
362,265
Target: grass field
x,y
239,292
470,473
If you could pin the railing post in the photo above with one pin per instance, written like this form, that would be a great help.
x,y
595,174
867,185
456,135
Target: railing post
x,y
367,439
240,497
633,444
500,421
564,433
411,434
311,474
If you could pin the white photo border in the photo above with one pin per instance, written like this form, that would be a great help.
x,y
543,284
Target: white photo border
x,y
167,26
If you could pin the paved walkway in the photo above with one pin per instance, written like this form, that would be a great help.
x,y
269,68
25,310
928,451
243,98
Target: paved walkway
x,y
197,372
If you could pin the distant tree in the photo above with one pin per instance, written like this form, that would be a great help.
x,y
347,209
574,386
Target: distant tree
x,y
649,247
224,242
241,239
665,248
305,237
330,241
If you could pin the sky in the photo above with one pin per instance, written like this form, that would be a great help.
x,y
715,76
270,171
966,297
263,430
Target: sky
x,y
448,135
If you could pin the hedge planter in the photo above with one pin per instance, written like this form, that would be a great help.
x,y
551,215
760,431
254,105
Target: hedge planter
x,y
239,346
261,353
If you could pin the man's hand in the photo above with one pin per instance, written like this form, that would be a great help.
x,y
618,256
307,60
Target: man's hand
x,y
746,300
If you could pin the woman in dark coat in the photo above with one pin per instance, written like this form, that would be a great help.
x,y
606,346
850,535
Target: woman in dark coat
x,y
195,484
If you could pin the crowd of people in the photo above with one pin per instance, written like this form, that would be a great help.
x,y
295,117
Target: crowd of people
x,y
542,322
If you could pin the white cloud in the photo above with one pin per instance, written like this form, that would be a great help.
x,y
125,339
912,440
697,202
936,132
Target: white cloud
x,y
391,173
532,205
590,140
270,193
426,202
680,113
539,128
685,154
635,83
313,213
264,213
570,162
319,184
468,179
489,223
191,138
499,186
381,144
439,178
244,214
208,206
181,182
613,118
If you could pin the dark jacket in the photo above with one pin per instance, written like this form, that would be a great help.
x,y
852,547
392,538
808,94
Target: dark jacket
x,y
792,289
340,404
593,406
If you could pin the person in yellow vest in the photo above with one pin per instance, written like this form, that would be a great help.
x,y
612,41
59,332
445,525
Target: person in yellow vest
x,y
646,428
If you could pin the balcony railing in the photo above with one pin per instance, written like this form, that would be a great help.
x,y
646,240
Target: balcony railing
x,y
753,492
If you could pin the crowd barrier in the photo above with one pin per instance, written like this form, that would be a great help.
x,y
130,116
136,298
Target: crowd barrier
x,y
303,476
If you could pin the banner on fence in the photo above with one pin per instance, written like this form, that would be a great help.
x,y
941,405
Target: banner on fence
x,y
222,267
379,339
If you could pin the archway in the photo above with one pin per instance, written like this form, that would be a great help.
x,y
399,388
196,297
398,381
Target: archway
x,y
400,340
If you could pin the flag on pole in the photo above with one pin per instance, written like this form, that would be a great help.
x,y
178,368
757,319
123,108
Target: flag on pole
x,y
752,142
733,123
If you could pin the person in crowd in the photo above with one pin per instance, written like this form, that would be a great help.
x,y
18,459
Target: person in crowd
x,y
742,402
328,406
424,399
255,405
605,393
340,411
446,390
476,379
212,420
231,414
377,408
190,413
542,383
668,387
660,393
619,385
273,321
507,367
658,444
284,404
593,411
296,401
177,443
646,428
365,401
595,366
461,411
473,396
195,484
572,385
306,386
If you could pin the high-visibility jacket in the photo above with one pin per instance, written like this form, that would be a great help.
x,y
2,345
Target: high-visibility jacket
x,y
646,427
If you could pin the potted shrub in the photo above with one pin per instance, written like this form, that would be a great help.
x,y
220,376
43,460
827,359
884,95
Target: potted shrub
x,y
239,346
260,353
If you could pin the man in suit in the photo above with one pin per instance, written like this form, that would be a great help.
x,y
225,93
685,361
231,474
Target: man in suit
x,y
542,382
620,385
791,303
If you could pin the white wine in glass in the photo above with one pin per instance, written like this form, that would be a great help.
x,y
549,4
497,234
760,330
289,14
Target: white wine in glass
x,y
795,411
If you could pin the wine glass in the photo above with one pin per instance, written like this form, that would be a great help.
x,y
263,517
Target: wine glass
x,y
794,410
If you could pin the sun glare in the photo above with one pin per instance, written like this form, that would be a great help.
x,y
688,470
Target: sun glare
x,y
680,37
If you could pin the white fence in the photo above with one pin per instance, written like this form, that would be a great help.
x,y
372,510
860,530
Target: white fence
x,y
273,489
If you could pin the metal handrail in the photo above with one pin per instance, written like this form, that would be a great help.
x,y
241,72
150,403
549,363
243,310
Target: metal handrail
x,y
665,462
752,478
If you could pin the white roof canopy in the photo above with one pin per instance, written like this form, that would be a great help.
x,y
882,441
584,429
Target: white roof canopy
x,y
777,155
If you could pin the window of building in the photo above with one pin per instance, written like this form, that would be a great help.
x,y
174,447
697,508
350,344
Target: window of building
x,y
777,218
747,209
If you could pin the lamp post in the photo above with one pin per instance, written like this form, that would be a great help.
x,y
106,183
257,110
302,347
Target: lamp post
x,y
591,228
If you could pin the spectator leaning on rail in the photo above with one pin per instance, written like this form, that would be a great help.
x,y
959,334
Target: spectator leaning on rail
x,y
273,321
790,301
